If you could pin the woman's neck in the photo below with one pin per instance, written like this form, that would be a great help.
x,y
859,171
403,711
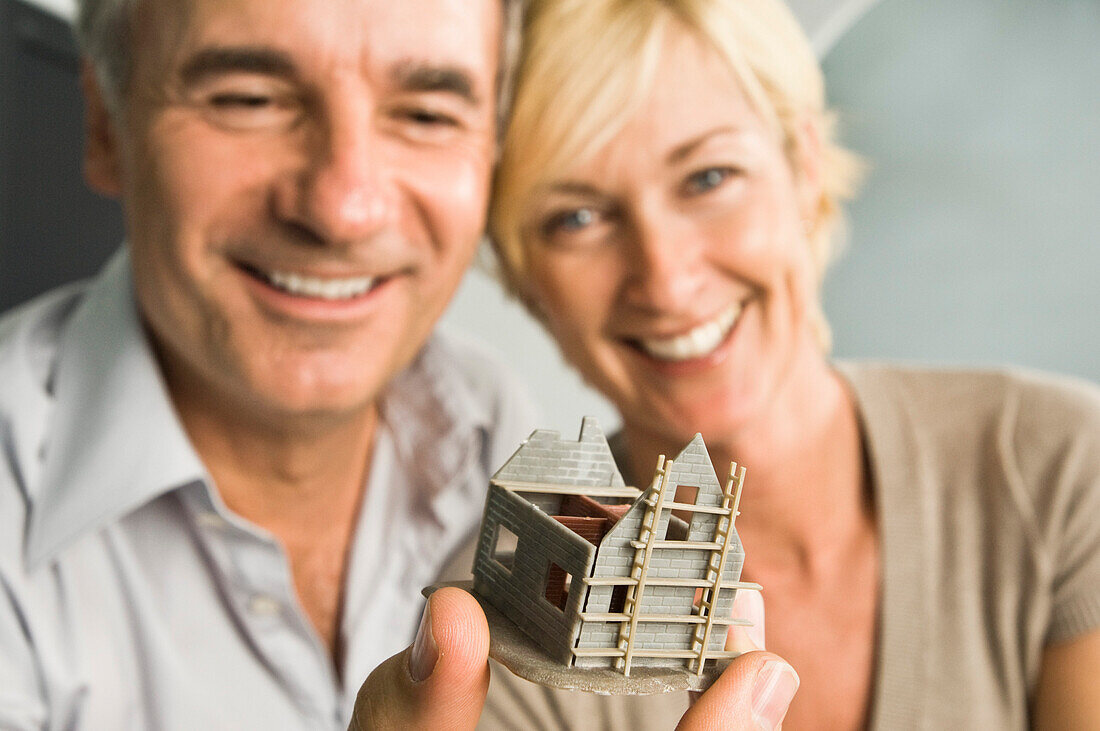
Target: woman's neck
x,y
806,483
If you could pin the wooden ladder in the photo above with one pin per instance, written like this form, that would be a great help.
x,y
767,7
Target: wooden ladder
x,y
647,536
717,564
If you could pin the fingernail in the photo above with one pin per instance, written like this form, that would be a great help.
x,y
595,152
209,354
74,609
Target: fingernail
x,y
424,651
756,635
747,605
772,693
754,604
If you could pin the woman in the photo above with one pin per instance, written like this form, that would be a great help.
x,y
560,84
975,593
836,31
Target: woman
x,y
666,203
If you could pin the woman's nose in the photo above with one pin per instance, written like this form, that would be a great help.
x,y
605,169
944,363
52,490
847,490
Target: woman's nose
x,y
666,263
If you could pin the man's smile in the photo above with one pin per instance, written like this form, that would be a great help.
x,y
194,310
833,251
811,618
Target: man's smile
x,y
326,288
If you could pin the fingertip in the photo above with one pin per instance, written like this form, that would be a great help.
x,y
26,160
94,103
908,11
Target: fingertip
x,y
746,666
750,692
461,632
438,682
747,605
772,693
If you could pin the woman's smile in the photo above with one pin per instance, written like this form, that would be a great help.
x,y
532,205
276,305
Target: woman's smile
x,y
698,342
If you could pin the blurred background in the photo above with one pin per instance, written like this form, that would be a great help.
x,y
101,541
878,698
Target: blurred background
x,y
974,240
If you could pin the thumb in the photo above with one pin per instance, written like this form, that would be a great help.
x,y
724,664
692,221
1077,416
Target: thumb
x,y
755,690
439,682
752,693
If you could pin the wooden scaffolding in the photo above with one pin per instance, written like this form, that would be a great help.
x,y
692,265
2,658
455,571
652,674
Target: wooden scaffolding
x,y
703,613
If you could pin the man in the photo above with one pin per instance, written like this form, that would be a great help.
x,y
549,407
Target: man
x,y
228,474
231,461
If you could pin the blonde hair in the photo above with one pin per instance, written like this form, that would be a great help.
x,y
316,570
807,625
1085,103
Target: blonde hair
x,y
587,66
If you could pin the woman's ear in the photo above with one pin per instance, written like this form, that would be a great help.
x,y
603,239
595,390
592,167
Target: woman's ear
x,y
102,170
806,159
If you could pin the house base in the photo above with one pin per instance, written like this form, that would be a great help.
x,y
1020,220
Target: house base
x,y
513,649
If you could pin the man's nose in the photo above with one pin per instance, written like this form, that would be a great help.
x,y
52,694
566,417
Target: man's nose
x,y
667,261
342,191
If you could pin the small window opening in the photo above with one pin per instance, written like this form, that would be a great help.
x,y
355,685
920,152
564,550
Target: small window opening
x,y
680,520
558,582
700,595
687,495
618,600
504,547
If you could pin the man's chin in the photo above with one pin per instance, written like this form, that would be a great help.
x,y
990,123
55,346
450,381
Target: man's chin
x,y
302,417
294,399
337,403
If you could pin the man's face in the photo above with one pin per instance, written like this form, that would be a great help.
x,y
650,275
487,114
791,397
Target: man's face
x,y
304,183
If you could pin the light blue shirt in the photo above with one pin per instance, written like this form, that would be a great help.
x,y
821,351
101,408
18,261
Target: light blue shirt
x,y
132,598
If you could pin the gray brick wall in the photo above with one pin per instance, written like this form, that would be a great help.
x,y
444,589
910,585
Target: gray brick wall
x,y
615,557
520,592
546,457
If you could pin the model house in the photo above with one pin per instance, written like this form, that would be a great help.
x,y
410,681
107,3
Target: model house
x,y
602,575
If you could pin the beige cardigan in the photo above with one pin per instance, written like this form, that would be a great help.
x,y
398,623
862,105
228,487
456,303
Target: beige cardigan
x,y
987,486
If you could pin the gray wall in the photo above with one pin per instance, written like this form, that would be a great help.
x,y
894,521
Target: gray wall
x,y
53,229
975,239
517,591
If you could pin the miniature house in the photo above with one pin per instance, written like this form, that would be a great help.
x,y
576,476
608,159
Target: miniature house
x,y
602,575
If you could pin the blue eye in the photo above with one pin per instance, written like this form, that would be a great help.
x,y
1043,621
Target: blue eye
x,y
706,180
569,221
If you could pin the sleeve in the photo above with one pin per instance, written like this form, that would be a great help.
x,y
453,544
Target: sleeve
x,y
1076,597
1058,446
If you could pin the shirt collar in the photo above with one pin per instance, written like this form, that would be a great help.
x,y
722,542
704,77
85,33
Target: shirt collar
x,y
437,425
114,441
109,396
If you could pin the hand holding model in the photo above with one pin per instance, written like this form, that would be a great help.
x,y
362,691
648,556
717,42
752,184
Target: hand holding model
x,y
442,679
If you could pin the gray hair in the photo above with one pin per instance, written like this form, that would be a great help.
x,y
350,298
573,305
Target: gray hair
x,y
102,30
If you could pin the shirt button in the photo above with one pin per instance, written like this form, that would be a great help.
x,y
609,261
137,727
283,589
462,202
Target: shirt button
x,y
263,605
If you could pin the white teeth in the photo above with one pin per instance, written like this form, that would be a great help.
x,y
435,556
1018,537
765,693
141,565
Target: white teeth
x,y
697,342
328,289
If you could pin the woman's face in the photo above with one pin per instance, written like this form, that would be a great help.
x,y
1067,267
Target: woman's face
x,y
673,267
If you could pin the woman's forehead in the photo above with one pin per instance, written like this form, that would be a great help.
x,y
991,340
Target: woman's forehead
x,y
693,88
691,98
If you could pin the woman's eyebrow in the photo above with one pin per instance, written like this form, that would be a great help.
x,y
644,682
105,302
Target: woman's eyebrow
x,y
684,149
227,59
570,186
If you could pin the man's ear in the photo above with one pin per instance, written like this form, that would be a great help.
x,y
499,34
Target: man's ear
x,y
102,169
806,157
